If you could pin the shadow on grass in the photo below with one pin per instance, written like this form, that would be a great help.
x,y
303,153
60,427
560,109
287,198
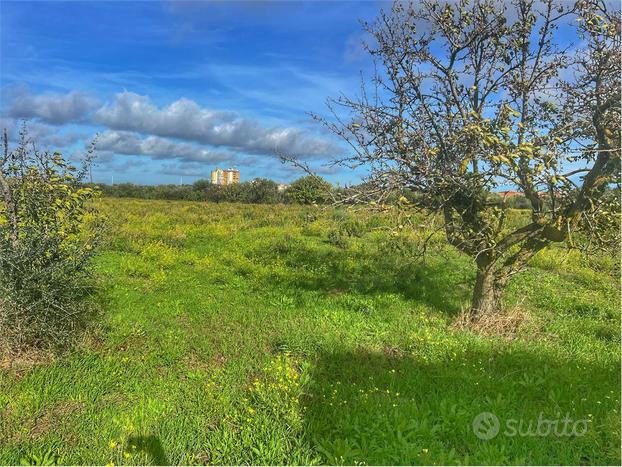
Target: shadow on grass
x,y
375,409
443,283
151,447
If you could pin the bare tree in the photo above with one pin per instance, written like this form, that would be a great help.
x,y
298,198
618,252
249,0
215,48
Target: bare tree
x,y
472,96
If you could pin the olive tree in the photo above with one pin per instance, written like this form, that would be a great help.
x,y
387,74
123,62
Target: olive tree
x,y
469,97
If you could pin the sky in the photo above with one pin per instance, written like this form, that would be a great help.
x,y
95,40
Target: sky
x,y
175,89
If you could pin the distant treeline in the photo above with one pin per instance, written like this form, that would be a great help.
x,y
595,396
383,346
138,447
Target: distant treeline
x,y
306,190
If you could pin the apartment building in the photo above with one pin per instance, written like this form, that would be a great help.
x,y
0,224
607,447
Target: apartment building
x,y
225,177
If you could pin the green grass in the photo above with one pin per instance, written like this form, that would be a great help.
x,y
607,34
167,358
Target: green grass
x,y
236,334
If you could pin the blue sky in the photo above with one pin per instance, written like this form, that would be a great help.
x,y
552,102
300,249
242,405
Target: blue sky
x,y
179,88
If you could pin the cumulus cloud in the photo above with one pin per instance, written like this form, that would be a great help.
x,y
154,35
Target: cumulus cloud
x,y
182,131
53,108
46,136
129,143
64,140
185,119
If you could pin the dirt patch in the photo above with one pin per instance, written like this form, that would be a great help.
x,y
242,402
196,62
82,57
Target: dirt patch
x,y
194,362
92,340
20,363
392,352
50,418
219,360
334,292
508,324
184,320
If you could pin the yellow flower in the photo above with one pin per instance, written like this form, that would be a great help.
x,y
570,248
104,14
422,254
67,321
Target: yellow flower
x,y
110,464
425,450
126,455
112,444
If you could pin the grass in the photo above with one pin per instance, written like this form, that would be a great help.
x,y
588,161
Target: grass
x,y
238,334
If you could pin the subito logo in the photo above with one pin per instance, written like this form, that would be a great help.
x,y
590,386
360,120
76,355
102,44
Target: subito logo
x,y
486,425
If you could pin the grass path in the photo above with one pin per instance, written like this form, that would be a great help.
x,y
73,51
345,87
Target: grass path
x,y
266,335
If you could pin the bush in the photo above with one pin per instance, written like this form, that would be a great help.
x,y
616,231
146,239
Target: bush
x,y
45,247
309,190
519,202
262,191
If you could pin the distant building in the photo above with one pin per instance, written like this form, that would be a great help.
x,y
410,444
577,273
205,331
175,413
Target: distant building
x,y
232,176
225,177
282,186
509,193
216,176
555,194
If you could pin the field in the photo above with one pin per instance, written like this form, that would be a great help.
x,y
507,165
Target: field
x,y
240,334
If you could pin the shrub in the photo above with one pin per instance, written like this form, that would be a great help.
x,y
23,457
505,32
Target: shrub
x,y
309,190
262,191
45,247
519,202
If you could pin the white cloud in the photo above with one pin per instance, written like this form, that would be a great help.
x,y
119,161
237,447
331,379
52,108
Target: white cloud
x,y
185,119
128,143
133,125
45,136
53,108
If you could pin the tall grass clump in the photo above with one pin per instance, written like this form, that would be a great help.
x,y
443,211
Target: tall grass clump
x,y
48,234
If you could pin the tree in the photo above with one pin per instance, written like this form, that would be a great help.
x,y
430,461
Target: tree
x,y
310,189
471,96
262,190
234,193
201,185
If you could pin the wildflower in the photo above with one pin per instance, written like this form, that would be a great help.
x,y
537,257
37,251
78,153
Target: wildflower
x,y
425,450
112,444
110,464
126,455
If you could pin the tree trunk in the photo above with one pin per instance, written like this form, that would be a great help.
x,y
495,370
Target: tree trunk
x,y
485,294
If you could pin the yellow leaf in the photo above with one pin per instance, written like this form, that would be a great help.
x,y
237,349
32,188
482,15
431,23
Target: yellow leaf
x,y
464,165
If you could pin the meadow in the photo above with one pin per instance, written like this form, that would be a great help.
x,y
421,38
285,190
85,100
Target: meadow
x,y
248,334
